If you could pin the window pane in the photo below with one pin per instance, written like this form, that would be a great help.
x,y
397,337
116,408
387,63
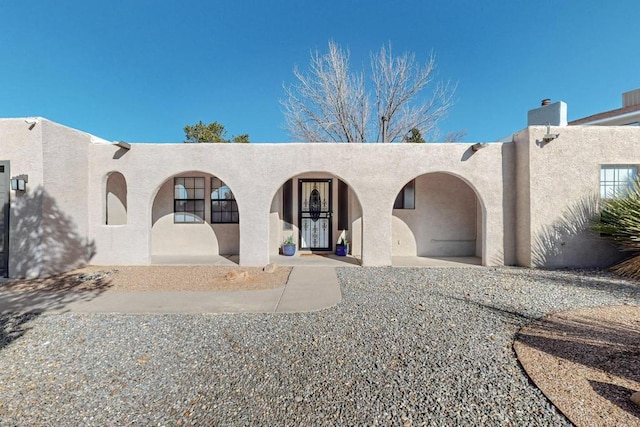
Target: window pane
x,y
180,192
399,202
609,174
406,197
616,180
409,196
222,203
623,175
188,200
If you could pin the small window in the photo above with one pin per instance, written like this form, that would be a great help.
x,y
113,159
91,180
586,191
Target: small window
x,y
616,180
406,197
287,205
224,208
343,205
188,200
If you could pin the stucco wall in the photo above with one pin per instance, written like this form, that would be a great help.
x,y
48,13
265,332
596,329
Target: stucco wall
x,y
49,228
563,189
531,200
521,200
65,210
189,239
255,173
48,223
443,222
20,143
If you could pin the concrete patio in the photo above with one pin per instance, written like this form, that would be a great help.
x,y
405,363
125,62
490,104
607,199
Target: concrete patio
x,y
320,260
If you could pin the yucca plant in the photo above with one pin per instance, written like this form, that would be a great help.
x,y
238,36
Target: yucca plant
x,y
620,223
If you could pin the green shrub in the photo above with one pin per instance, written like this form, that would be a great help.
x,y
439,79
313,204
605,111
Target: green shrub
x,y
620,223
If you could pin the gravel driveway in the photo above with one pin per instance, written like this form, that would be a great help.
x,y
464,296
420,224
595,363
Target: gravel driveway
x,y
405,347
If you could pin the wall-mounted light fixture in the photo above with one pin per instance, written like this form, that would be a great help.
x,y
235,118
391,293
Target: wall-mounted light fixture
x,y
549,136
123,144
31,121
19,183
478,145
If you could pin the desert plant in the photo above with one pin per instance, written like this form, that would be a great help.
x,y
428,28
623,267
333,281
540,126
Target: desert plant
x,y
620,223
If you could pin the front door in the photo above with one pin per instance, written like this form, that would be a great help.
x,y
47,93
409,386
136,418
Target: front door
x,y
4,218
314,197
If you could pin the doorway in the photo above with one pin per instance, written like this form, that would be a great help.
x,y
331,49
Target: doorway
x,y
315,215
4,218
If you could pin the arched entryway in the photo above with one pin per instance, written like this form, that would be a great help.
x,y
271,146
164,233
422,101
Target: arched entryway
x,y
317,211
438,215
195,220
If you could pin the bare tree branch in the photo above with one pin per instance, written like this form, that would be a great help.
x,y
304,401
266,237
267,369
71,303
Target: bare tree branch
x,y
330,103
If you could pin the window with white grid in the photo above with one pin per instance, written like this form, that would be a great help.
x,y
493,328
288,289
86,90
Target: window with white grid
x,y
616,180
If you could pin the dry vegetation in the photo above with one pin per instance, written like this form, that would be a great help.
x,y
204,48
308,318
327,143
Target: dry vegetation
x,y
158,278
586,362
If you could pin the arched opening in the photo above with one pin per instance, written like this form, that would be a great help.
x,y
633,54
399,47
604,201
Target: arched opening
x,y
115,212
438,215
195,220
318,211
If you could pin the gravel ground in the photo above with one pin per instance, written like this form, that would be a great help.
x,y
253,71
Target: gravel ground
x,y
405,347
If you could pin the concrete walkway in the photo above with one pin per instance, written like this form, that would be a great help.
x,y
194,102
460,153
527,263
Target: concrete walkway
x,y
308,289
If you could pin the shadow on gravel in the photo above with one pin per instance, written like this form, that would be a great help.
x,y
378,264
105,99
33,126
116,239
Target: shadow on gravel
x,y
617,395
609,346
589,279
510,316
23,300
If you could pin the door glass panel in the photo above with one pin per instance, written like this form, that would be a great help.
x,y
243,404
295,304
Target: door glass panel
x,y
315,214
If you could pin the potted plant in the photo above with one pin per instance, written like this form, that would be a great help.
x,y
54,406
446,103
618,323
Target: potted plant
x,y
342,248
288,246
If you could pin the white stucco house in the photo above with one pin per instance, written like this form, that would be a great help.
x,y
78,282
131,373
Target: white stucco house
x,y
69,198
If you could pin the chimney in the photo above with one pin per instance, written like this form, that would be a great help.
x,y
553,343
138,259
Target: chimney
x,y
631,98
548,114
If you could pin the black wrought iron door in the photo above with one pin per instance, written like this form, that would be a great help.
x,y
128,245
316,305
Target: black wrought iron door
x,y
314,197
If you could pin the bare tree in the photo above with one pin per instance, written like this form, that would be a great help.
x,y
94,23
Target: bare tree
x,y
330,103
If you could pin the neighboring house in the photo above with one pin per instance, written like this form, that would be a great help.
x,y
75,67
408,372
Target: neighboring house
x,y
628,115
524,202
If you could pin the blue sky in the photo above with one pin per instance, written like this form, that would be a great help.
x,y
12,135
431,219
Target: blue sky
x,y
139,70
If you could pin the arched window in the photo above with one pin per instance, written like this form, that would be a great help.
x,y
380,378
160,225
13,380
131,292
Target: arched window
x,y
224,208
